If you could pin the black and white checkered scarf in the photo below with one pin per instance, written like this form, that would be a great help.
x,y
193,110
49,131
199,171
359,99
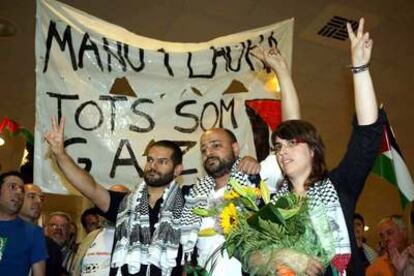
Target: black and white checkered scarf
x,y
324,203
200,196
134,244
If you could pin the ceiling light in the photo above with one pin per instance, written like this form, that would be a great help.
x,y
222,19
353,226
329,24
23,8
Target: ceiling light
x,y
2,142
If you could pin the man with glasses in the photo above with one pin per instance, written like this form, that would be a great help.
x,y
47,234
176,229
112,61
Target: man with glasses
x,y
22,244
58,229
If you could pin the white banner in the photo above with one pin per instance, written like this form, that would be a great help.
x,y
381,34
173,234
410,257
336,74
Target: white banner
x,y
119,91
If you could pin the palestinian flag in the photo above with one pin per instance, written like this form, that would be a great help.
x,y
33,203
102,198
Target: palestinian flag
x,y
264,114
390,166
10,127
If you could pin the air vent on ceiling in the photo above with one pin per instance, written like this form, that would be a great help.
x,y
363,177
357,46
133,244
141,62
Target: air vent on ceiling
x,y
328,27
336,28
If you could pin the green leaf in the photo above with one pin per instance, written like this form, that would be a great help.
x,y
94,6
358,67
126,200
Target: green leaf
x,y
207,232
264,190
249,204
231,248
288,213
268,212
250,192
237,187
282,203
202,212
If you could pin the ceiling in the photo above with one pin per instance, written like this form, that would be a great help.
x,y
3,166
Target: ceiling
x,y
319,67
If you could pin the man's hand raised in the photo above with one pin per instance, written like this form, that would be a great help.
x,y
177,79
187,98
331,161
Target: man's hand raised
x,y
55,137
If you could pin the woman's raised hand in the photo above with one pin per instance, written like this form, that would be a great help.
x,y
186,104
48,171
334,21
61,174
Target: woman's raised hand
x,y
272,58
361,44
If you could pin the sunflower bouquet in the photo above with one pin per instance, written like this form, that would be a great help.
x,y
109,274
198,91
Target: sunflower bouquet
x,y
274,239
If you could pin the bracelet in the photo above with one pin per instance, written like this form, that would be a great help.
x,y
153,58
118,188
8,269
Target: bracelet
x,y
358,69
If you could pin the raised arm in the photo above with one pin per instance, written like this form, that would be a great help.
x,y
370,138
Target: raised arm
x,y
277,63
290,111
78,177
365,101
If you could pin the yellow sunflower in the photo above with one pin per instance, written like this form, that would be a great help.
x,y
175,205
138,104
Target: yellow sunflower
x,y
230,195
229,218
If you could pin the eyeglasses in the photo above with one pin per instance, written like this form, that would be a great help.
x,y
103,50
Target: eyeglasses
x,y
289,144
15,187
60,226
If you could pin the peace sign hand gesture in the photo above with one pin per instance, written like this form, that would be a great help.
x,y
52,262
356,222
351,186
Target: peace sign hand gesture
x,y
361,44
55,137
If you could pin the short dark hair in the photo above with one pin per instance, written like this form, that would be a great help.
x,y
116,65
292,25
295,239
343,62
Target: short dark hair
x,y
359,217
88,212
177,154
10,173
294,129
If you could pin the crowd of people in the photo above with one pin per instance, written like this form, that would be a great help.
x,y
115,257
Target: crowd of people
x,y
151,229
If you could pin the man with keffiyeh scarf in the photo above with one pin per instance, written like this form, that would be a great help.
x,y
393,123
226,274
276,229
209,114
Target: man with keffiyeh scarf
x,y
220,151
149,237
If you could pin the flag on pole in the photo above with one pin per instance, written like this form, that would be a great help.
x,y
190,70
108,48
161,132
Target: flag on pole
x,y
390,166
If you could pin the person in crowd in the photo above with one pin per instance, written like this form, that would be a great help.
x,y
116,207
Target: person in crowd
x,y
220,152
90,220
57,228
366,254
301,155
94,253
22,244
30,212
149,237
380,248
399,256
32,203
73,235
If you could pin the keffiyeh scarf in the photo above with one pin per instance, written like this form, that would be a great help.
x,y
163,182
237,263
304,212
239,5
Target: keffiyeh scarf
x,y
324,203
134,244
200,196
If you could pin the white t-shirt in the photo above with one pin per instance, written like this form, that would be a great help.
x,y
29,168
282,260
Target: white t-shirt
x,y
206,246
270,172
97,259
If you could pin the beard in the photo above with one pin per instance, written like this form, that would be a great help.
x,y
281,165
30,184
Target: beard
x,y
156,179
220,167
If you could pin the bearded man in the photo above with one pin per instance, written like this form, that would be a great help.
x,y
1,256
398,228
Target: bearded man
x,y
149,238
220,155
